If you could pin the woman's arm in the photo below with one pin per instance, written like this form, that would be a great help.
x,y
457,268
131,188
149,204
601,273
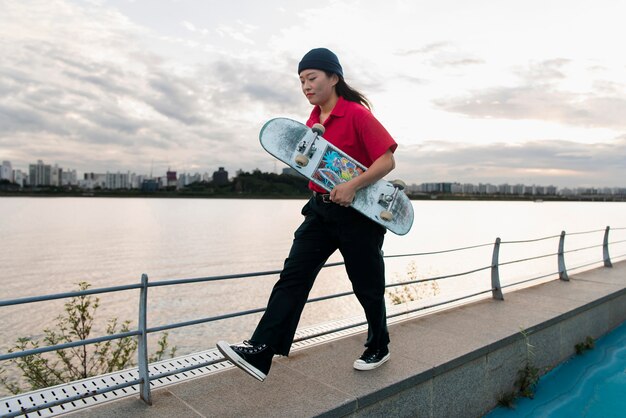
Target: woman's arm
x,y
343,194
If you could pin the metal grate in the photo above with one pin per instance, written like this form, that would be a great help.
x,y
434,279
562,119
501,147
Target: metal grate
x,y
193,366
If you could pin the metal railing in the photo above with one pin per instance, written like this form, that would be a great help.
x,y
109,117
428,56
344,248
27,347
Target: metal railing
x,y
144,377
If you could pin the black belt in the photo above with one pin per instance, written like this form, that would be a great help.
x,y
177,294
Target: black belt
x,y
322,197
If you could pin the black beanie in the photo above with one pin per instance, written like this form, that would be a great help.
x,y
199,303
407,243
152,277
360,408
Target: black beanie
x,y
321,59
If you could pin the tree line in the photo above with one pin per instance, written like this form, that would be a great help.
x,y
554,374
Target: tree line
x,y
255,184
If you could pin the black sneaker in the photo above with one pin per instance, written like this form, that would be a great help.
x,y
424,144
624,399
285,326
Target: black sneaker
x,y
255,360
372,358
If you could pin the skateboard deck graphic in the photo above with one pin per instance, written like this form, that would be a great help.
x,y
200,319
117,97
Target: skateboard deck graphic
x,y
311,155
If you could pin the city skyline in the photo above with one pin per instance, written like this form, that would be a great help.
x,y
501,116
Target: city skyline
x,y
130,179
470,90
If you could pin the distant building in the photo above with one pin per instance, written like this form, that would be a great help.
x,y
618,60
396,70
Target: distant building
x,y
56,175
171,178
93,180
588,191
195,178
412,188
505,189
518,189
117,180
436,187
469,188
40,174
186,179
69,178
180,182
134,181
220,177
20,178
149,185
487,188
6,171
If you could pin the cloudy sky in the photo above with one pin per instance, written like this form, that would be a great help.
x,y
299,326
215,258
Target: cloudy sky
x,y
474,91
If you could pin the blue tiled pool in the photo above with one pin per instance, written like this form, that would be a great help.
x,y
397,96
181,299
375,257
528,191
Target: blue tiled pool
x,y
589,385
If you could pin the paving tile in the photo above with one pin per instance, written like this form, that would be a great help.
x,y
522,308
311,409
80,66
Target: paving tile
x,y
488,322
331,364
554,302
576,289
614,275
431,346
233,393
464,324
164,405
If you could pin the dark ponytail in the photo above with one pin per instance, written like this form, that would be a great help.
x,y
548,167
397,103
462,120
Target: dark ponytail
x,y
344,90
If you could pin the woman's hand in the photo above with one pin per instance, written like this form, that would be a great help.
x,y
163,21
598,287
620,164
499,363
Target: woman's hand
x,y
343,194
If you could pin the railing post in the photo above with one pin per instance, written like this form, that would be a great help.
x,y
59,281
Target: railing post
x,y
605,248
142,347
562,269
496,290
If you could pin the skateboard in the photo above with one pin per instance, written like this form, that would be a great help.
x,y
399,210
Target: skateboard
x,y
305,150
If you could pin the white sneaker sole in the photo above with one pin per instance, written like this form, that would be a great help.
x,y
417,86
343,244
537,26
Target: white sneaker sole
x,y
234,358
361,365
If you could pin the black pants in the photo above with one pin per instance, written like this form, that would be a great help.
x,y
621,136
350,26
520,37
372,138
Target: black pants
x,y
326,228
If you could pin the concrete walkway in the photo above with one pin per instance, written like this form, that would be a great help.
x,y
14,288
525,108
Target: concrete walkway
x,y
448,364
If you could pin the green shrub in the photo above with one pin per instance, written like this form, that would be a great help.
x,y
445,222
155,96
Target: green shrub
x,y
39,371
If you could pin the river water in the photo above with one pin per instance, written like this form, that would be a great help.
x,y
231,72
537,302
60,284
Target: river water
x,y
51,244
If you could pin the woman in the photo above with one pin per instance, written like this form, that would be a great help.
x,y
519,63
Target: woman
x,y
330,224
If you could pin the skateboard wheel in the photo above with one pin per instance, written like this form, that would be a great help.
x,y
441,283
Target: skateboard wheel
x,y
386,215
318,128
399,184
302,160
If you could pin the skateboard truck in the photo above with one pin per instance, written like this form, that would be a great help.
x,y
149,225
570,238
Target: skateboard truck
x,y
307,150
387,201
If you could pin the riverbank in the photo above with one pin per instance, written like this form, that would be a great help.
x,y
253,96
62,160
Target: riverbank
x,y
169,194
259,185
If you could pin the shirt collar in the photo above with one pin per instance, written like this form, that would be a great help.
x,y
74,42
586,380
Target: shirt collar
x,y
338,111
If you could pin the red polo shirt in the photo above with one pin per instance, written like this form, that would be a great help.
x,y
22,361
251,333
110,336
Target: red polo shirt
x,y
352,128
